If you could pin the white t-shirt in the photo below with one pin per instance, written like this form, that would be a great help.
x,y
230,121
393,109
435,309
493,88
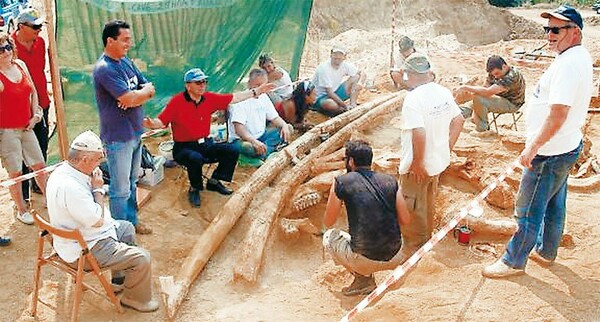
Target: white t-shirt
x,y
568,81
328,77
71,206
253,113
432,107
286,91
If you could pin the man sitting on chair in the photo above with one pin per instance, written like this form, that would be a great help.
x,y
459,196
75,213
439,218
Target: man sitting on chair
x,y
76,201
504,92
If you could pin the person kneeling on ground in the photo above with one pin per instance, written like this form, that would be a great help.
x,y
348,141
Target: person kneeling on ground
x,y
248,131
332,91
75,200
504,92
294,109
406,47
376,209
189,114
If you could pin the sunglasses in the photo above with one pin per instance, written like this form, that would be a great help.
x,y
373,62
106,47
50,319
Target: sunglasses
x,y
556,30
34,27
5,48
201,82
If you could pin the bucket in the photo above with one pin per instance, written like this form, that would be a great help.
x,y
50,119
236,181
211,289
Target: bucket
x,y
166,150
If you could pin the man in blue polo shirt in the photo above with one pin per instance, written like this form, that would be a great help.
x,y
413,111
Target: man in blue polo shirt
x,y
121,89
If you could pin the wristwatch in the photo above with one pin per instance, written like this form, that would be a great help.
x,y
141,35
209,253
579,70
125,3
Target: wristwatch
x,y
100,190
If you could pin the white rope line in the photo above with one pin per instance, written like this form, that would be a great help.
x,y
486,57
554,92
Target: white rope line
x,y
472,208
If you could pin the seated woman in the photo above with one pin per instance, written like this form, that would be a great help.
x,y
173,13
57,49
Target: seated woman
x,y
293,109
278,77
19,112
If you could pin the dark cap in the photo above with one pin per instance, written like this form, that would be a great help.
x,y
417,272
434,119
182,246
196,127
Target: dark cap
x,y
417,63
565,13
405,44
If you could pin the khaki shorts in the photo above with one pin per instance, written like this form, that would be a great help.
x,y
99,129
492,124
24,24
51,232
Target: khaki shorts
x,y
16,146
337,243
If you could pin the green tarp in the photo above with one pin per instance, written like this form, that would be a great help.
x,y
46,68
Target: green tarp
x,y
223,37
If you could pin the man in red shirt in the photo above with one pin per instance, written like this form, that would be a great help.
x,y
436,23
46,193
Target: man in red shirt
x,y
31,49
189,114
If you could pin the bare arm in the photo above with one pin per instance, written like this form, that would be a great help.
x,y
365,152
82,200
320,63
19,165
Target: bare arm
x,y
334,205
331,93
401,210
240,129
97,183
554,121
484,91
136,97
154,123
286,134
36,110
456,126
249,93
417,167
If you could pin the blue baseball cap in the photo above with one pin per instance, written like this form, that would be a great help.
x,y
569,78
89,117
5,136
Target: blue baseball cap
x,y
565,13
194,75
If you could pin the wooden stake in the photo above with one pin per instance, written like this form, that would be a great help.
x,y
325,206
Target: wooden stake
x,y
59,106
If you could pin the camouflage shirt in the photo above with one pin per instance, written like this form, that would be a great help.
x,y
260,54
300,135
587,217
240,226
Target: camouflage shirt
x,y
514,82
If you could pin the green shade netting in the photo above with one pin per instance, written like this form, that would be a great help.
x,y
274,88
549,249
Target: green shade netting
x,y
223,37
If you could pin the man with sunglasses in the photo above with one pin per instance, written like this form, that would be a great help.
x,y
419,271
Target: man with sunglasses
x,y
555,114
31,49
121,90
504,92
189,114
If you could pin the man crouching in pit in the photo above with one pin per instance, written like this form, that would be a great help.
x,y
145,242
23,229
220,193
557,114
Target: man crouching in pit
x,y
376,209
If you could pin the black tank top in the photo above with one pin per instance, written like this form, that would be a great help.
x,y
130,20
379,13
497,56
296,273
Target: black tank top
x,y
374,228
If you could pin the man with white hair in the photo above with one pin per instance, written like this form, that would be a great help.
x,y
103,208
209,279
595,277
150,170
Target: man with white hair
x,y
332,90
75,200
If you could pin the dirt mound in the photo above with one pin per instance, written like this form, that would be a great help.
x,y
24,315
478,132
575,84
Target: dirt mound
x,y
474,22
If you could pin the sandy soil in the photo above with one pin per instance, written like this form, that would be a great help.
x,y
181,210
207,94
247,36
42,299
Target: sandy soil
x,y
299,283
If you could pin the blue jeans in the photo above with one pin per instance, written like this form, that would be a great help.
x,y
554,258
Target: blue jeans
x,y
124,160
540,208
271,138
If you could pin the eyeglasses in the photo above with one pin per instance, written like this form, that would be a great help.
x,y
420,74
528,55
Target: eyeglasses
x,y
5,48
201,82
34,27
556,30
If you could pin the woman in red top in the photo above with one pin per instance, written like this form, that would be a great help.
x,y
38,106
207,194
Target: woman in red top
x,y
293,109
19,112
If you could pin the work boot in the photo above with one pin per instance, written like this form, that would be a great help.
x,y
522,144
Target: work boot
x,y
194,197
142,229
362,285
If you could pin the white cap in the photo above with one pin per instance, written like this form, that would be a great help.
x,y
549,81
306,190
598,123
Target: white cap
x,y
87,141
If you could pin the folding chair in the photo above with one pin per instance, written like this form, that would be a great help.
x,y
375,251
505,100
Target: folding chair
x,y
45,235
515,117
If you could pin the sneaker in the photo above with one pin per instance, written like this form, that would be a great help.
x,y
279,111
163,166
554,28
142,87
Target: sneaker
x,y
362,285
194,197
149,306
5,241
25,218
499,270
536,257
142,229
